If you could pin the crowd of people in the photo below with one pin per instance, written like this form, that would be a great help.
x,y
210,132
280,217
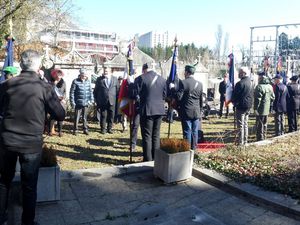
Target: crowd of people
x,y
43,102
269,96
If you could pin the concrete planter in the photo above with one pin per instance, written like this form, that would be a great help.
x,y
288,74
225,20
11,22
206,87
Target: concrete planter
x,y
48,187
173,167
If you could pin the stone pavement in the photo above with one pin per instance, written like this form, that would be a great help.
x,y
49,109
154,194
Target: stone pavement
x,y
130,195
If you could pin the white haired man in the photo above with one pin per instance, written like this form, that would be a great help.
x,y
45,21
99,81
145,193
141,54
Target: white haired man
x,y
22,131
242,101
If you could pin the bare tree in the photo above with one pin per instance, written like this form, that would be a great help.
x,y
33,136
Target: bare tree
x,y
218,36
62,14
225,46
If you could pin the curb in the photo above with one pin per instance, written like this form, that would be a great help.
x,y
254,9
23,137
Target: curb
x,y
73,175
275,202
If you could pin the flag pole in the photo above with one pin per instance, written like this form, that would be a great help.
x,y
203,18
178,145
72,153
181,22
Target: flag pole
x,y
131,105
172,80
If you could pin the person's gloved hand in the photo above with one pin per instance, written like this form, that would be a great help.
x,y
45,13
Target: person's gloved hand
x,y
171,85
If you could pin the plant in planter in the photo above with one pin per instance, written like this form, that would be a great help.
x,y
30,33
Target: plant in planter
x,y
173,162
48,187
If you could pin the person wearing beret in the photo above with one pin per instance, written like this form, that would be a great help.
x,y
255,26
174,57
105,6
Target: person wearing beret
x,y
293,103
190,100
9,72
242,100
279,104
263,98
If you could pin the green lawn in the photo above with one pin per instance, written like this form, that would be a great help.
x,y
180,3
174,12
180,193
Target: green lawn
x,y
98,150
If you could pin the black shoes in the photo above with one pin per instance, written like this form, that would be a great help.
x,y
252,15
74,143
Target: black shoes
x,y
110,132
86,132
75,132
103,131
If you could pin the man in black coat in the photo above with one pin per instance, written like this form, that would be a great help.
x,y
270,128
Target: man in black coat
x,y
279,104
151,88
293,103
105,94
242,99
190,105
222,91
24,101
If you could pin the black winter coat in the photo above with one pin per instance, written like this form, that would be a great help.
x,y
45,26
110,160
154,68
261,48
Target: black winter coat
x,y
281,94
293,99
152,95
24,102
242,96
190,98
81,93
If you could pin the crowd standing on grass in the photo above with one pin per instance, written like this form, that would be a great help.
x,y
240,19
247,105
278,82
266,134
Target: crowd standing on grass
x,y
21,131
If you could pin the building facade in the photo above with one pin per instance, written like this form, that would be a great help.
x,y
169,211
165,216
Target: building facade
x,y
86,42
153,39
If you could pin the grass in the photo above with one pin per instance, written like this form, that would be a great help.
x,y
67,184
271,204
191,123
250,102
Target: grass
x,y
98,150
275,167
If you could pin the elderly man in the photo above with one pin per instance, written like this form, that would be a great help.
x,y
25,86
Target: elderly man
x,y
22,131
105,94
242,101
190,100
81,96
263,98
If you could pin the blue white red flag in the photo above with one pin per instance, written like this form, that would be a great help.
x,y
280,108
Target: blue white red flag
x,y
126,105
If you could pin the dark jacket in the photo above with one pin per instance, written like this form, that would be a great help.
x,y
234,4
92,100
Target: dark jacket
x,y
24,101
293,99
152,94
263,97
281,94
106,95
190,98
81,93
133,92
222,90
242,96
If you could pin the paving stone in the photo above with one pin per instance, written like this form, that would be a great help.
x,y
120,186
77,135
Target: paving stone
x,y
128,199
270,218
75,218
66,192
